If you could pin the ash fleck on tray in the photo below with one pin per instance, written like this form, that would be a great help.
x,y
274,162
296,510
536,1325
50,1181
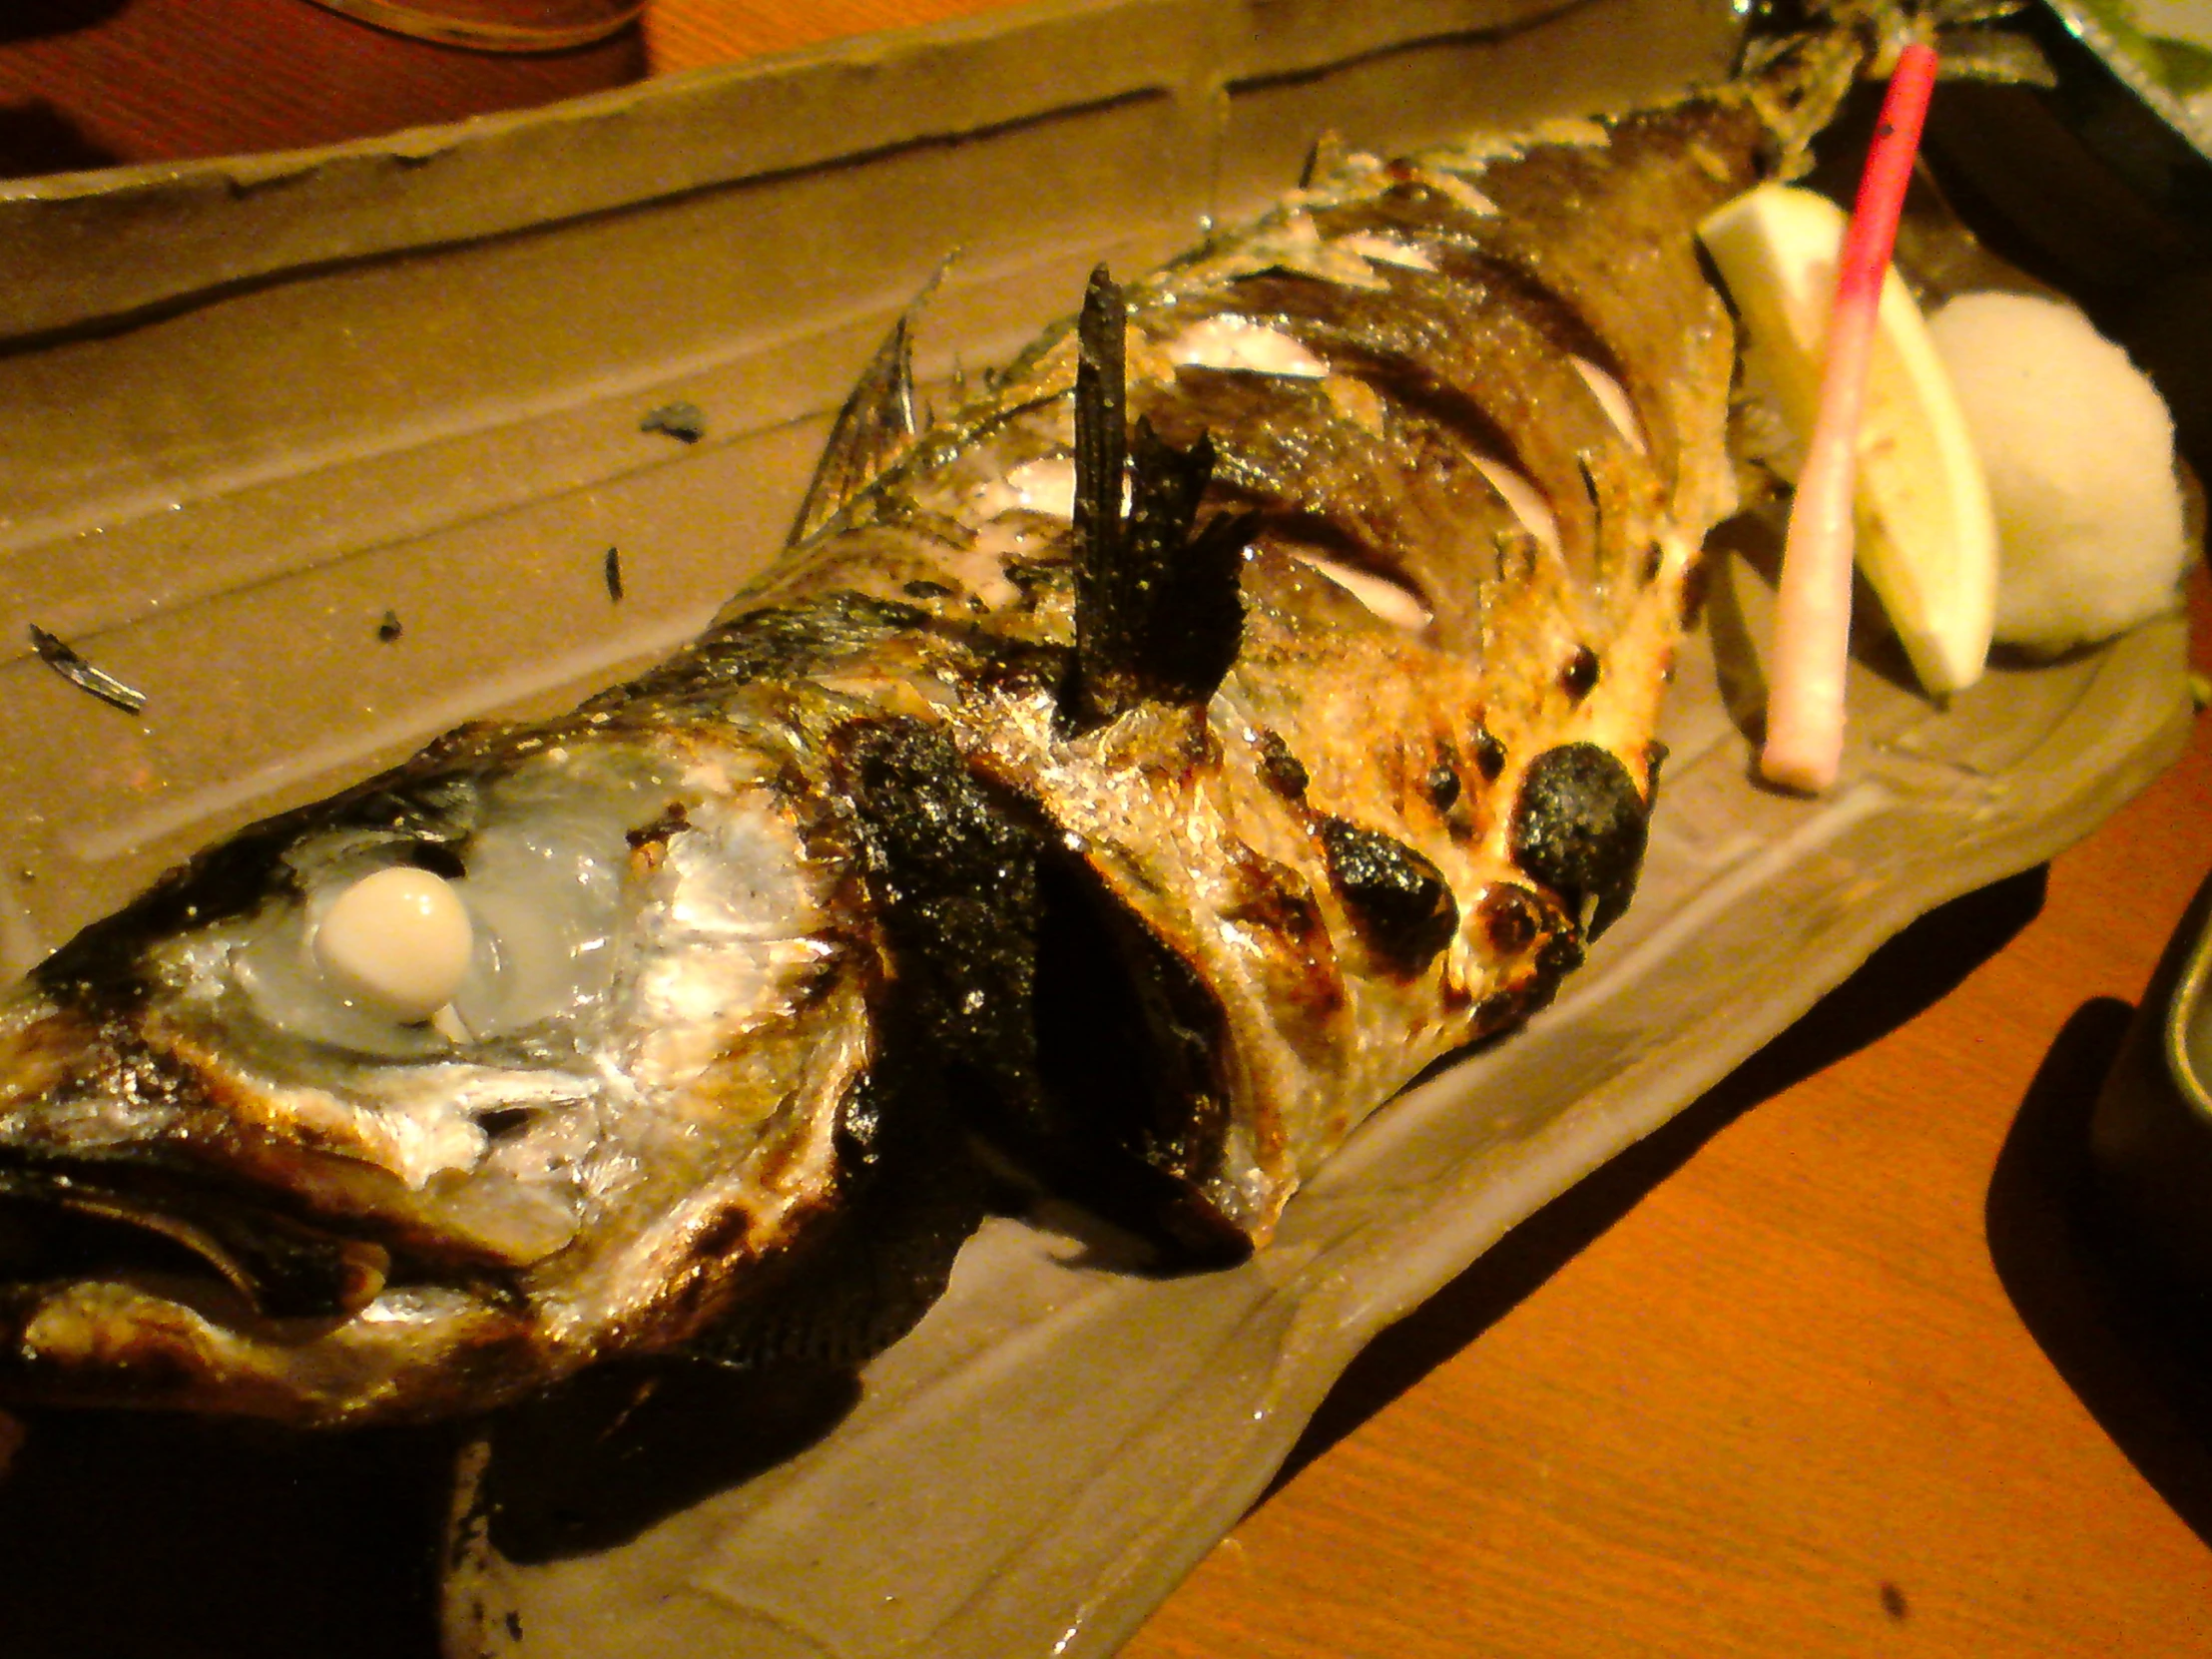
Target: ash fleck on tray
x,y
57,655
684,422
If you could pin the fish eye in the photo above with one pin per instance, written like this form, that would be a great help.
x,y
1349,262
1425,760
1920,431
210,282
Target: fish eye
x,y
399,941
500,926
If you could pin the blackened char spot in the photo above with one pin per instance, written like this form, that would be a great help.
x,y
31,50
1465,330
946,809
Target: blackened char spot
x,y
1051,1020
1561,955
1579,827
1489,753
1442,785
1282,769
1580,674
954,874
1400,902
671,821
1512,917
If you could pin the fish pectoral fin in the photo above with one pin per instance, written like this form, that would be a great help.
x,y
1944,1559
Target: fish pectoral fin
x,y
1158,606
864,1277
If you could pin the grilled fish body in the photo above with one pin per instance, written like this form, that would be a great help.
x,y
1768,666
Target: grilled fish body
x,y
1140,776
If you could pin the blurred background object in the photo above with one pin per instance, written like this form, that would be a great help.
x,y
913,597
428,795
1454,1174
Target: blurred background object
x,y
2101,184
102,83
2151,1132
689,34
498,25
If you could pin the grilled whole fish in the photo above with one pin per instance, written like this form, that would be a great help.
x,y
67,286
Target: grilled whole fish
x,y
1130,782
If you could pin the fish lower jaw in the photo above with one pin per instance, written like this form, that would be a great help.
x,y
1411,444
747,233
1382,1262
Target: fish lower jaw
x,y
128,1344
200,1299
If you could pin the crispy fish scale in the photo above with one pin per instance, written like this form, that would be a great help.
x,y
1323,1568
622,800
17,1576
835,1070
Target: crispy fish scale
x,y
1406,502
1361,717
1372,717
1602,226
1459,352
1551,416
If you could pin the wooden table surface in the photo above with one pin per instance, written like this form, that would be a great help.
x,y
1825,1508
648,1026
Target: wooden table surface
x,y
1836,1363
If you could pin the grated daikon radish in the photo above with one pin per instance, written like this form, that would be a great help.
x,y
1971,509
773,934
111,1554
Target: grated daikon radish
x,y
2078,450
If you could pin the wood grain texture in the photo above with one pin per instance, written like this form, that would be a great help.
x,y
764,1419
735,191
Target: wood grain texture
x,y
1834,1365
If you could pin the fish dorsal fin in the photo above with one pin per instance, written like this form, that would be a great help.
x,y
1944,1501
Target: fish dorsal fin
x,y
1159,613
876,426
1325,160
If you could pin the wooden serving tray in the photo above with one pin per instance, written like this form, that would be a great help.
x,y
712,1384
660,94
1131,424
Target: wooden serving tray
x,y
253,407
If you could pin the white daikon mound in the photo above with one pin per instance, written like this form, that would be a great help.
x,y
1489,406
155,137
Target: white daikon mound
x,y
2079,454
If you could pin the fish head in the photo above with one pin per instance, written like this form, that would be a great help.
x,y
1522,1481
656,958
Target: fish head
x,y
419,1098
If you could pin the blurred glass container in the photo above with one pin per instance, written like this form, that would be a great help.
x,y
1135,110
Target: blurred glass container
x,y
2150,1134
498,25
2161,51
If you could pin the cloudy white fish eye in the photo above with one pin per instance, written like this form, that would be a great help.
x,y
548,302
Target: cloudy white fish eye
x,y
397,940
387,959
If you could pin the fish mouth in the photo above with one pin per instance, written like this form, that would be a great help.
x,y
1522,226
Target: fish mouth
x,y
124,1288
63,1223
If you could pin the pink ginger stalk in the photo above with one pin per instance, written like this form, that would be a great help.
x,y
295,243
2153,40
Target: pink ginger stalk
x,y
1812,636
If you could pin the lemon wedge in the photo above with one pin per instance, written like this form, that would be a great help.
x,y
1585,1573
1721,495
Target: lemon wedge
x,y
1927,540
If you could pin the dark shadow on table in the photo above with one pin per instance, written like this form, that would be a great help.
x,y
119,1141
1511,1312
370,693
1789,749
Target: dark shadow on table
x,y
2134,1345
153,1537
36,138
147,1537
600,1459
36,19
1907,974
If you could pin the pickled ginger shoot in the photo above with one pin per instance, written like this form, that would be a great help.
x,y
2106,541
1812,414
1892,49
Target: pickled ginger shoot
x,y
1889,469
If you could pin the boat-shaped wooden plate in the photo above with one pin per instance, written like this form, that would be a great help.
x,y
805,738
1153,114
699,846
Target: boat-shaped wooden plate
x,y
324,452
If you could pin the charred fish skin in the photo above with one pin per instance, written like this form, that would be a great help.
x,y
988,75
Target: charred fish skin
x,y
1470,482
1138,777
